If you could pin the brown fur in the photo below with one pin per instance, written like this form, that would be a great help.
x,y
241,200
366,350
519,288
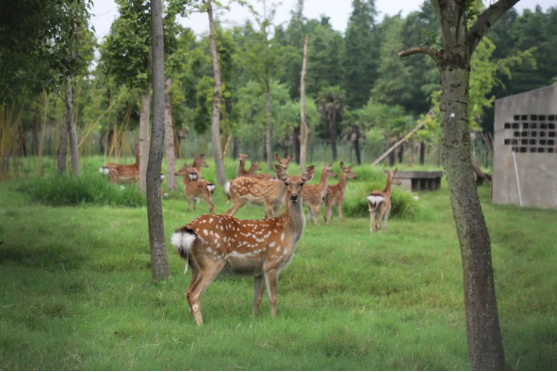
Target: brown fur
x,y
335,193
196,188
314,195
383,209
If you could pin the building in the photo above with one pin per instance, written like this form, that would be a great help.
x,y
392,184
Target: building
x,y
525,149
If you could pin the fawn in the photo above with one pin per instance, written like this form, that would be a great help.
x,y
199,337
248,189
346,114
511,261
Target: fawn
x,y
123,173
380,203
195,187
314,195
261,248
269,193
242,172
199,162
335,193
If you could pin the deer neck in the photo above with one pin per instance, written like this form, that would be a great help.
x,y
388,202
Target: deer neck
x,y
323,181
388,186
137,159
342,182
294,220
241,170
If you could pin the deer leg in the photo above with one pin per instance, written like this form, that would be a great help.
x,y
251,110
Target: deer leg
x,y
378,223
310,214
194,274
315,212
271,279
327,216
371,219
386,218
210,202
204,279
237,205
189,203
340,217
258,284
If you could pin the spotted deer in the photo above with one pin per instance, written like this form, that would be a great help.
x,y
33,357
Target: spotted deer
x,y
268,193
314,195
259,248
242,172
335,193
380,203
120,173
195,187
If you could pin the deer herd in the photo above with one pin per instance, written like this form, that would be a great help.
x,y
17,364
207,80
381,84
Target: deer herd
x,y
259,248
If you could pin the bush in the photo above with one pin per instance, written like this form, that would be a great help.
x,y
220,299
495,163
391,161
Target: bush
x,y
88,189
403,203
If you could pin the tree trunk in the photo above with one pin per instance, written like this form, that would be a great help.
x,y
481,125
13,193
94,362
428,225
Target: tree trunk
x,y
401,154
422,153
169,139
333,130
159,261
144,139
63,147
74,149
235,149
268,149
215,130
303,127
357,150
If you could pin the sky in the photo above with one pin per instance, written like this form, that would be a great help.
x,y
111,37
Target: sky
x,y
105,11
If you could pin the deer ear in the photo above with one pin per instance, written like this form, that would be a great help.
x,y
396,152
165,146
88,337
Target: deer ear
x,y
280,172
277,157
341,165
308,174
291,157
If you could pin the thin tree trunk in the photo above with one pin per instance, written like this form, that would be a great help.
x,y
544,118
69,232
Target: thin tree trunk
x,y
43,132
63,147
144,139
74,148
333,130
235,150
169,139
401,154
268,149
422,153
303,127
159,260
357,150
215,130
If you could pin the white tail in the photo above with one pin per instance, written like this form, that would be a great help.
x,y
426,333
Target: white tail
x,y
183,240
227,189
375,200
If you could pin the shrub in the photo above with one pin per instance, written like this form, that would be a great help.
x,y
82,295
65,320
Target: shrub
x,y
403,203
87,189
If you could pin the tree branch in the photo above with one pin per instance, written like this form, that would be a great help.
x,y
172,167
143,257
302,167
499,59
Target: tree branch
x,y
420,49
486,20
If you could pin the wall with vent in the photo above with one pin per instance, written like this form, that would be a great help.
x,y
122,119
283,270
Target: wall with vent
x,y
526,126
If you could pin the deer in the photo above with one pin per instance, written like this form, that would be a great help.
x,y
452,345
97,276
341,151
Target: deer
x,y
269,193
199,162
119,173
314,195
195,187
380,203
335,193
258,248
242,172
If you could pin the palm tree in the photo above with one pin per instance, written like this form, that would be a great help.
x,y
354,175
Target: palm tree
x,y
330,102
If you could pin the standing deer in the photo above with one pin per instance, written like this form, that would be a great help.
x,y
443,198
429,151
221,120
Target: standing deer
x,y
335,193
314,195
195,187
199,162
119,173
261,248
269,193
242,172
380,203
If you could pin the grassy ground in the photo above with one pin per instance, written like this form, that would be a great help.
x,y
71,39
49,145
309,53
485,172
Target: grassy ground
x,y
76,293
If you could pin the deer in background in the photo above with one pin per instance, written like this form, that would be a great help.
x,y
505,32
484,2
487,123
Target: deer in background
x,y
380,203
259,248
335,193
242,172
195,187
268,193
314,195
199,162
119,173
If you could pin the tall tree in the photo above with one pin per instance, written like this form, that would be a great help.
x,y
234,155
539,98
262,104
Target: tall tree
x,y
304,131
485,346
331,104
159,261
215,128
361,53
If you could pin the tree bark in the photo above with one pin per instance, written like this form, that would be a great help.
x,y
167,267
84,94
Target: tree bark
x,y
144,139
401,154
215,130
169,139
268,149
235,149
422,153
74,149
357,150
63,146
304,126
333,130
159,260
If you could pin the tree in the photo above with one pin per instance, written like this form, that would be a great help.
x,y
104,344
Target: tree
x,y
331,103
159,261
304,132
215,129
485,347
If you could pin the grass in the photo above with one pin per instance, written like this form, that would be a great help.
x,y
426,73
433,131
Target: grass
x,y
76,292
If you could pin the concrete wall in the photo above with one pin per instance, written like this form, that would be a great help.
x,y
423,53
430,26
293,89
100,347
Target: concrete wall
x,y
518,126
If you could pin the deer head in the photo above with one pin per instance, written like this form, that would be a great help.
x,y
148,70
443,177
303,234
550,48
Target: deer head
x,y
284,161
392,177
347,171
199,160
191,172
254,166
294,183
328,170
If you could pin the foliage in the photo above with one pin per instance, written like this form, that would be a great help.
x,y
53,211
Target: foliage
x,y
86,189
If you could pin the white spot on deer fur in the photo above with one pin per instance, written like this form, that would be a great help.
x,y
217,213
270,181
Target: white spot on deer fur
x,y
210,220
278,249
282,236
205,232
217,235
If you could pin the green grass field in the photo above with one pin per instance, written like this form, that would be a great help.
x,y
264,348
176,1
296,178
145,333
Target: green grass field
x,y
76,291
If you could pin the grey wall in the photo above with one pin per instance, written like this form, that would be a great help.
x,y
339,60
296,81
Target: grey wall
x,y
518,126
